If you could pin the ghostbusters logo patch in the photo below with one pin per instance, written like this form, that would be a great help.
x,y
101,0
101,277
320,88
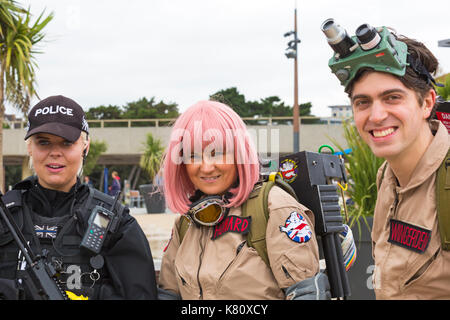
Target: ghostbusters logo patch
x,y
289,170
297,228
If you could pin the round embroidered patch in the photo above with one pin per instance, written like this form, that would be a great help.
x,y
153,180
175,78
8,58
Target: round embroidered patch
x,y
296,228
289,170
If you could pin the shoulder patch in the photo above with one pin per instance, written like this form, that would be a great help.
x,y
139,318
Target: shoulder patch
x,y
297,228
289,170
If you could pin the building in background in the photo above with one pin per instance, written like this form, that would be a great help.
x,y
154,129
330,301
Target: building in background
x,y
340,113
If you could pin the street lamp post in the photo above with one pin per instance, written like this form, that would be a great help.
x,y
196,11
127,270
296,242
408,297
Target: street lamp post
x,y
291,53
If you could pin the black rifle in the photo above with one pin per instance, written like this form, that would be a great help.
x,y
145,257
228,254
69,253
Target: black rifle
x,y
314,190
40,281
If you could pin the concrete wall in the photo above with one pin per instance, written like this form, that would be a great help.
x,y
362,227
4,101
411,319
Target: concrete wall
x,y
123,141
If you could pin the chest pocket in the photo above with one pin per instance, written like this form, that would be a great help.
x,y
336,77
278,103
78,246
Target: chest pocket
x,y
420,265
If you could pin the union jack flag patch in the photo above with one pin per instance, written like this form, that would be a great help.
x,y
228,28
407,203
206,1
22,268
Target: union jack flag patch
x,y
46,231
296,228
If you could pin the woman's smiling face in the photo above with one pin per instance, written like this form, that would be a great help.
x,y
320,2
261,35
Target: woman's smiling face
x,y
56,161
212,175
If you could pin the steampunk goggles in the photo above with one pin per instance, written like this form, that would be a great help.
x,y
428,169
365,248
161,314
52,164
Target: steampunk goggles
x,y
375,48
208,211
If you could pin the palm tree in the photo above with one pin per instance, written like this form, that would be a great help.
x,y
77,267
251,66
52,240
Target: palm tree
x,y
151,159
18,37
151,163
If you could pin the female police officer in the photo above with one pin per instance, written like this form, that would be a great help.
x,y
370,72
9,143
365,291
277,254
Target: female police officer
x,y
210,170
53,209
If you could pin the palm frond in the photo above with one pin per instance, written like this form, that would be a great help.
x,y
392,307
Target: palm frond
x,y
17,53
151,159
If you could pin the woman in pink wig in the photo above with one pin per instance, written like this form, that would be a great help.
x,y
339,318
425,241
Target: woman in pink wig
x,y
210,169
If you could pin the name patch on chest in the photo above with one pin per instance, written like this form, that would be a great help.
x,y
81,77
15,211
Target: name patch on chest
x,y
409,236
232,224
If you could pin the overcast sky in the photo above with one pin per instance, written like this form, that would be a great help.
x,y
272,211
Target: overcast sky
x,y
112,52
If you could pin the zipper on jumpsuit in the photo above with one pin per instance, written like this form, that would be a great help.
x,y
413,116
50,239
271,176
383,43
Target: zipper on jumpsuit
x,y
393,216
200,297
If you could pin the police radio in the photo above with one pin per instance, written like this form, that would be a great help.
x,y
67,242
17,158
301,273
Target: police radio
x,y
99,224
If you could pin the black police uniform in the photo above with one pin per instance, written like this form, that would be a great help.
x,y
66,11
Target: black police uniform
x,y
56,221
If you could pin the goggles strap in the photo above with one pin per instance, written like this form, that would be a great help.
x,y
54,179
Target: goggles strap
x,y
420,69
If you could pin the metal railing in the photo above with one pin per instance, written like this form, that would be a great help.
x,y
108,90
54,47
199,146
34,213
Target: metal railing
x,y
128,123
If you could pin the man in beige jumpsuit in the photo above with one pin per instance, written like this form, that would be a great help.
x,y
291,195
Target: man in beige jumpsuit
x,y
392,115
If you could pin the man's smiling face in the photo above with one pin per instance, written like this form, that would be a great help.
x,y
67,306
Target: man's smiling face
x,y
388,115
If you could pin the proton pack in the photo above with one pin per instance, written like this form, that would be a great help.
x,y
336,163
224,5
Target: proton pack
x,y
310,175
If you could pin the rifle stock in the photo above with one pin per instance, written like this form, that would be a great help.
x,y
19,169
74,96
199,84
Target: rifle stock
x,y
39,281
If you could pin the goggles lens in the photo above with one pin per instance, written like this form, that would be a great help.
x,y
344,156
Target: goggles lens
x,y
209,214
208,211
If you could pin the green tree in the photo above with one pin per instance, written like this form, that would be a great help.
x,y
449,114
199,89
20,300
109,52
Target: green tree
x,y
266,107
152,156
18,40
149,109
104,113
234,99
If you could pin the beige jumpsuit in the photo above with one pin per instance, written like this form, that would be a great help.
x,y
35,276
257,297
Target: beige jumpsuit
x,y
226,268
409,260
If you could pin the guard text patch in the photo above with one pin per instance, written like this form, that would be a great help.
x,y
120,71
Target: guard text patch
x,y
232,224
409,236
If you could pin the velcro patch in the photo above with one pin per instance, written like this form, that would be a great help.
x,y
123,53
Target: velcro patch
x,y
46,231
409,236
232,224
297,228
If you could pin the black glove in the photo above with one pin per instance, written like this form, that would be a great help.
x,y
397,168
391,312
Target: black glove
x,y
314,288
167,295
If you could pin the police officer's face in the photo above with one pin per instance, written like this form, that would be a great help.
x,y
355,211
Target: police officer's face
x,y
212,175
388,115
56,161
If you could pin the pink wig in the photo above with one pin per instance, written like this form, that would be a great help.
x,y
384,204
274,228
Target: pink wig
x,y
218,124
